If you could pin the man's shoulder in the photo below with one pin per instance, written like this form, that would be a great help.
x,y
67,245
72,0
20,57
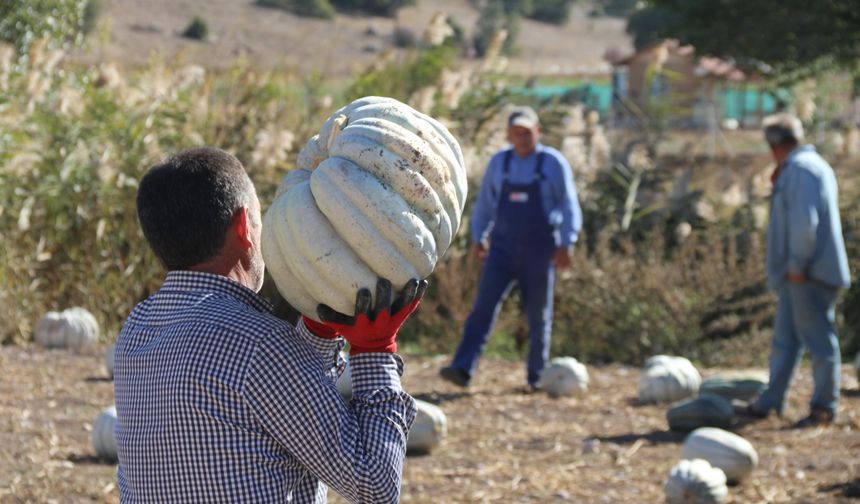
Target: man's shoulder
x,y
554,156
231,315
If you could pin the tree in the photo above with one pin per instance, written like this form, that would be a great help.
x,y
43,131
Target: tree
x,y
795,38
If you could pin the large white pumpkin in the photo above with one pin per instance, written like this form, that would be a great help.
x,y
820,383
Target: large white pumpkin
x,y
428,430
696,482
666,378
726,450
103,437
379,192
564,376
72,328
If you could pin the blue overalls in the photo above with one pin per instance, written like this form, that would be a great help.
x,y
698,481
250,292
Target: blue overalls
x,y
521,249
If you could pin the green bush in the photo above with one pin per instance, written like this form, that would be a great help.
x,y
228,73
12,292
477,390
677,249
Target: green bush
x,y
375,7
197,29
495,15
399,80
310,8
550,11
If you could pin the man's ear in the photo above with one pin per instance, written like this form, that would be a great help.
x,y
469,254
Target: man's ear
x,y
242,226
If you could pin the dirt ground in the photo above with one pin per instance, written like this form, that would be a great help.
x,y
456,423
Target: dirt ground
x,y
502,445
131,31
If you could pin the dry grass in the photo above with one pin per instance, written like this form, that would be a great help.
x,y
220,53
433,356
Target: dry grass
x,y
502,446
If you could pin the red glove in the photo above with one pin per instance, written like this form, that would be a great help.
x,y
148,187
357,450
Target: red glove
x,y
375,330
319,329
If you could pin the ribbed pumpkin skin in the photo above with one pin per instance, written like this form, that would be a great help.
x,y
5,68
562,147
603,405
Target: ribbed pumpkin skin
x,y
726,450
696,482
73,328
378,193
740,386
666,378
429,429
703,411
564,376
103,437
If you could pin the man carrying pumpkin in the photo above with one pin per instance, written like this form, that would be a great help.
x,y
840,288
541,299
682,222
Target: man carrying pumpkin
x,y
524,225
218,400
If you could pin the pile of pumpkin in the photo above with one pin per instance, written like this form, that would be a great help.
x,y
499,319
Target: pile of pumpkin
x,y
712,457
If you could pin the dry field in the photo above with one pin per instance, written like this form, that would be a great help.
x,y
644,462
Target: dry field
x,y
503,446
337,48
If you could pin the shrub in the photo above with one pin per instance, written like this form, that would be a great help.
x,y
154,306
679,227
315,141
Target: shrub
x,y
403,37
197,29
375,7
550,11
497,15
309,8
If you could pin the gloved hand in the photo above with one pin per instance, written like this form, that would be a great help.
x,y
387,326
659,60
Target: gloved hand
x,y
375,330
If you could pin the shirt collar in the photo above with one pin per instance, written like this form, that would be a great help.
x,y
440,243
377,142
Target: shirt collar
x,y
184,280
797,150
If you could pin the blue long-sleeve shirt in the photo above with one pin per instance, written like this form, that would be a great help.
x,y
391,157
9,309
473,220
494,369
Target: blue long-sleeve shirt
x,y
804,235
219,401
558,194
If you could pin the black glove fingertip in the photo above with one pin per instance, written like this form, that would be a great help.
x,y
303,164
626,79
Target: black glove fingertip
x,y
422,288
363,300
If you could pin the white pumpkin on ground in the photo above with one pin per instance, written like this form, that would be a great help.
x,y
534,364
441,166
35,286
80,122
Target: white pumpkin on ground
x,y
726,450
428,430
696,482
103,436
110,358
378,193
564,376
704,411
73,328
666,378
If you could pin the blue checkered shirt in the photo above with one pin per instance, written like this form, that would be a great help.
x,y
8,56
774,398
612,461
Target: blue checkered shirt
x,y
219,401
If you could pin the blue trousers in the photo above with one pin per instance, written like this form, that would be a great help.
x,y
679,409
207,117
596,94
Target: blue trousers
x,y
536,279
805,316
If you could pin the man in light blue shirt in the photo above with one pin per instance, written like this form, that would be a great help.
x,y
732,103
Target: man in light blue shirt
x,y
806,266
524,223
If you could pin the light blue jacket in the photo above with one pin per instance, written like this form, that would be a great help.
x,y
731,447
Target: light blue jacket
x,y
804,235
559,201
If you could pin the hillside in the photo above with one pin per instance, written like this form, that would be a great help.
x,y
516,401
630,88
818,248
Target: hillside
x,y
337,48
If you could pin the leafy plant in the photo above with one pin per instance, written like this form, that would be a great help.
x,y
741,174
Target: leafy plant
x,y
197,29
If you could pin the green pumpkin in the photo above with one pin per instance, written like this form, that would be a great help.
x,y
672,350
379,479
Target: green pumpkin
x,y
703,411
740,386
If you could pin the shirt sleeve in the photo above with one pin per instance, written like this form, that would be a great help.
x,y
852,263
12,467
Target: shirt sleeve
x,y
804,195
568,202
329,350
484,211
357,448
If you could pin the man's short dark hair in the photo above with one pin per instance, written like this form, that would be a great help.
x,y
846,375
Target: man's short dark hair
x,y
783,129
186,204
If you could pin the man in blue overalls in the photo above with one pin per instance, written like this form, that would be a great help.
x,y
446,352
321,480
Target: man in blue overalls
x,y
524,224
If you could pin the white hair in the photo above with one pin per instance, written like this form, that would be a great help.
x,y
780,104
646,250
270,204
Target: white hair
x,y
783,129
